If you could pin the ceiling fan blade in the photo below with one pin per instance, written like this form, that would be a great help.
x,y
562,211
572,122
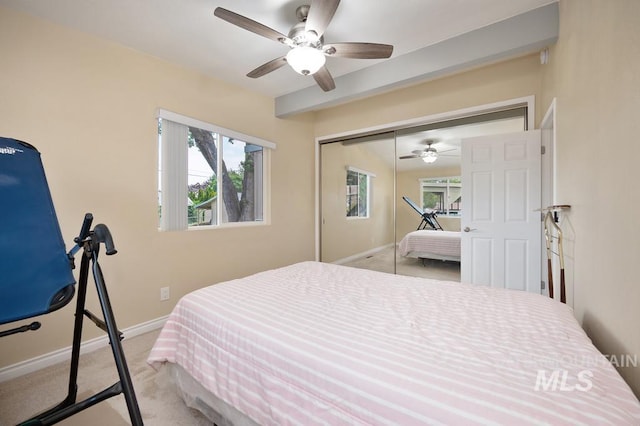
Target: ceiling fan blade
x,y
404,157
358,50
320,14
268,67
249,24
324,79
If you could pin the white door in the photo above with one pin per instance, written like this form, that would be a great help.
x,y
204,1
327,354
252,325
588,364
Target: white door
x,y
501,227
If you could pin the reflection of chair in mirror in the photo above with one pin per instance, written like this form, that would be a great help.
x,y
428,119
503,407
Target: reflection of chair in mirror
x,y
36,272
428,217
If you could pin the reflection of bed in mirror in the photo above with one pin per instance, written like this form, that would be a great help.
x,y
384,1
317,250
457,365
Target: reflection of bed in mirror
x,y
430,244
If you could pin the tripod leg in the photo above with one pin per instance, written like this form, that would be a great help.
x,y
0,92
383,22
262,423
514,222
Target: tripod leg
x,y
116,345
77,329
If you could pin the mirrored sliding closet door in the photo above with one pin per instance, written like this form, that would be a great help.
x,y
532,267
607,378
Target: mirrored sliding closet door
x,y
357,180
393,202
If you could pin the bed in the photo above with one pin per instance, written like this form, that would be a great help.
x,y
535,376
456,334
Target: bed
x,y
315,343
430,244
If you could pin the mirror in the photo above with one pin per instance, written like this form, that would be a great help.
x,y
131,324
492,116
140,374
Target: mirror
x,y
357,209
428,184
363,215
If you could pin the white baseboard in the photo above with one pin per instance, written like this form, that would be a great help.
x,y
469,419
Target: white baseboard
x,y
34,364
363,254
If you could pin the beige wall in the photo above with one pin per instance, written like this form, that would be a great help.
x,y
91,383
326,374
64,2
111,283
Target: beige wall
x,y
508,80
362,234
594,72
89,106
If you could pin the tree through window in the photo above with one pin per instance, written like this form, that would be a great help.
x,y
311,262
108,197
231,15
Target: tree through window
x,y
224,176
443,195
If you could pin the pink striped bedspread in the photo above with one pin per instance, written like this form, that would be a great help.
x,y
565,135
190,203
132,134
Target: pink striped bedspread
x,y
425,242
316,343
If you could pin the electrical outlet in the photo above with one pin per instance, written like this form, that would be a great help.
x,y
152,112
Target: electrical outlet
x,y
164,293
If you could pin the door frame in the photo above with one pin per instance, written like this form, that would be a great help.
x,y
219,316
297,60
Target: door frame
x,y
549,180
528,101
548,129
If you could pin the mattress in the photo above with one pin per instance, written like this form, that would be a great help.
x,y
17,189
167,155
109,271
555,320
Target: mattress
x,y
315,343
431,244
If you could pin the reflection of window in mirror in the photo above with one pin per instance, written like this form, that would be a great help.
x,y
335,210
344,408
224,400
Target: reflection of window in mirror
x,y
358,192
442,194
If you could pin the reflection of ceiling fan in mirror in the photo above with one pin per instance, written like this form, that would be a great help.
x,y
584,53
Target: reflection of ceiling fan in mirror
x,y
306,42
429,154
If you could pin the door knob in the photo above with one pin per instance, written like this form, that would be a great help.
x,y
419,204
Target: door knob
x,y
467,229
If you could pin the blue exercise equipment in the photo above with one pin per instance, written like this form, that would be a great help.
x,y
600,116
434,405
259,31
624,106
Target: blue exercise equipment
x,y
36,273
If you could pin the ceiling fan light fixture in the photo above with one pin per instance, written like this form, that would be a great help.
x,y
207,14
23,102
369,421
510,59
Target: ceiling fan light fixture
x,y
305,60
429,156
306,42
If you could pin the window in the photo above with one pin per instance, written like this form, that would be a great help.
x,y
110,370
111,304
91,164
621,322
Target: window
x,y
442,194
208,175
358,192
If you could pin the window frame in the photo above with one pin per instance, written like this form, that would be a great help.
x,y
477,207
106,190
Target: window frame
x,y
369,192
267,147
423,182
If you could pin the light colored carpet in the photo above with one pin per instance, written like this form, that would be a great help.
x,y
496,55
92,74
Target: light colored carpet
x,y
159,402
385,259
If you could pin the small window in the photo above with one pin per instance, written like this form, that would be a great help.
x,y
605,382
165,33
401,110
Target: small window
x,y
444,195
358,192
209,176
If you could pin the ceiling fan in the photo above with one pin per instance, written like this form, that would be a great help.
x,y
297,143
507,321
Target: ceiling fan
x,y
429,154
308,51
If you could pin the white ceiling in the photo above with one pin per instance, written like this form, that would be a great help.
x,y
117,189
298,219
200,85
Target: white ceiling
x,y
186,31
446,140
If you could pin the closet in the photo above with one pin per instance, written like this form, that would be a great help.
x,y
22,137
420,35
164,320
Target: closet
x,y
363,179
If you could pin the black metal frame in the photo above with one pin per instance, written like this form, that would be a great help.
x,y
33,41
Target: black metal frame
x,y
428,218
89,241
